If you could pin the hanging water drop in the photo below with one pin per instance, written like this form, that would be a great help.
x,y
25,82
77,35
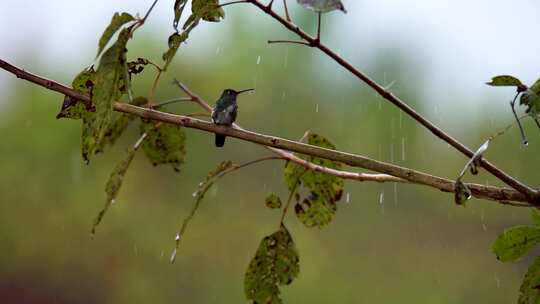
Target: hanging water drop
x,y
177,238
194,194
113,201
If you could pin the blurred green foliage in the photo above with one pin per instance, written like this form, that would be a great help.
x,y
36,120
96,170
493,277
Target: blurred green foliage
x,y
388,243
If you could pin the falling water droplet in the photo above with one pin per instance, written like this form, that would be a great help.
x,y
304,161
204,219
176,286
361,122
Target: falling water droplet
x,y
317,108
348,198
403,148
395,194
218,49
173,256
259,60
283,94
497,281
381,198
484,227
161,254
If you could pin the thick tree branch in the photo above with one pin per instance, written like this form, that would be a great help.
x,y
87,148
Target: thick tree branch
x,y
399,174
384,93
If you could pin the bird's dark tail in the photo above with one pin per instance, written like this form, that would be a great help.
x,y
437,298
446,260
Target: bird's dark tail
x,y
220,140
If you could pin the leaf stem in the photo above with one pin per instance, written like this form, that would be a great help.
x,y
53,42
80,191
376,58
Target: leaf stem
x,y
293,191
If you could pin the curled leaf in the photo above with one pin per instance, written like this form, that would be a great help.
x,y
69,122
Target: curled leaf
x,y
462,193
117,21
504,81
174,43
276,263
208,10
179,6
514,242
273,201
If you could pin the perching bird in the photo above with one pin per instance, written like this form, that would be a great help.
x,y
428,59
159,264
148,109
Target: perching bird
x,y
322,6
225,111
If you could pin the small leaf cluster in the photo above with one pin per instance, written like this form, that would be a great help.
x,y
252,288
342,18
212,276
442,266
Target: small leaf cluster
x,y
512,245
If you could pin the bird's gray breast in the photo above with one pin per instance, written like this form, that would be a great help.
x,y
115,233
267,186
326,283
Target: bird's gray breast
x,y
225,116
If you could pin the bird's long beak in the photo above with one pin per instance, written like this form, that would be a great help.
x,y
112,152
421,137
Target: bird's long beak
x,y
243,91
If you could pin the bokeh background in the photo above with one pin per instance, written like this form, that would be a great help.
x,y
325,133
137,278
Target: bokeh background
x,y
389,243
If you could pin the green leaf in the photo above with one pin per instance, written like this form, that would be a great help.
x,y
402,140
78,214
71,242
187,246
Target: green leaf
x,y
74,108
114,184
535,217
106,90
323,6
119,125
319,206
208,10
199,194
530,287
536,87
179,6
462,193
275,264
117,21
165,144
174,43
514,242
504,81
273,201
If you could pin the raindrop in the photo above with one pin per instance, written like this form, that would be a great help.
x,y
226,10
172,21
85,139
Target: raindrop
x,y
484,227
283,94
395,194
317,108
173,256
218,49
259,60
403,148
381,198
348,198
161,254
497,281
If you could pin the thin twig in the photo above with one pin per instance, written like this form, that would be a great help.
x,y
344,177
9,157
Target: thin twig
x,y
289,41
392,173
509,180
286,11
523,137
171,101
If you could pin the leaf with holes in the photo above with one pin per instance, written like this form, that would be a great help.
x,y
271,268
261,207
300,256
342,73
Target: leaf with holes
x,y
165,144
106,90
74,108
319,206
273,201
117,21
119,125
275,264
514,242
505,81
114,184
530,287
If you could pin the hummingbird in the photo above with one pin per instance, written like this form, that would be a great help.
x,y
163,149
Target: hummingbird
x,y
320,7
225,111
